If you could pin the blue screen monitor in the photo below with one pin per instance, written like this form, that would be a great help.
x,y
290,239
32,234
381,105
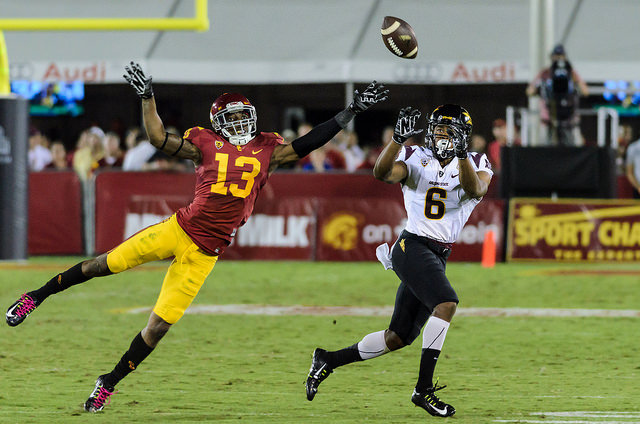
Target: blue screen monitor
x,y
51,98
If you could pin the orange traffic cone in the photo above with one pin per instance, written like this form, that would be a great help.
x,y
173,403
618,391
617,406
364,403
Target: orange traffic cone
x,y
489,250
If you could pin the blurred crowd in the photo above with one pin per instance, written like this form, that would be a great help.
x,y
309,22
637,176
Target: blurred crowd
x,y
96,150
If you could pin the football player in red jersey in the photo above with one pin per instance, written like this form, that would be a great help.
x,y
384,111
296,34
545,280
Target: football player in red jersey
x,y
233,163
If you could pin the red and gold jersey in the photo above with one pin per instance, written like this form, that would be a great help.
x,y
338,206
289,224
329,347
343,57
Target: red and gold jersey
x,y
228,181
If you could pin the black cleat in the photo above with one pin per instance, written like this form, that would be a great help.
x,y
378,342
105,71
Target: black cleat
x,y
430,402
20,310
319,371
99,396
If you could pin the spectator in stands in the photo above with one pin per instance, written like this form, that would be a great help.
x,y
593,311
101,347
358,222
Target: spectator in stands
x,y
160,161
59,157
86,159
113,155
289,135
372,153
130,138
347,144
633,167
494,149
140,153
323,159
478,144
559,87
39,154
625,137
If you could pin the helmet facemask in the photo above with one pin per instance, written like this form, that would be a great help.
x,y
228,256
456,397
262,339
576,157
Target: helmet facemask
x,y
440,137
448,124
236,122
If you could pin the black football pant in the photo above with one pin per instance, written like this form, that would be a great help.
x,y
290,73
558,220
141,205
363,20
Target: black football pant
x,y
420,264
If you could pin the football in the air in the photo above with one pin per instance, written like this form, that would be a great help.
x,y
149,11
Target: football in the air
x,y
399,37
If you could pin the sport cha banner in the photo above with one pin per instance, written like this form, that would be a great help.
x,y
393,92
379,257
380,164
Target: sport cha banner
x,y
574,230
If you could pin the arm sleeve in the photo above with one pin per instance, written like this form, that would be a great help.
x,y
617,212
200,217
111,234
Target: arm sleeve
x,y
315,138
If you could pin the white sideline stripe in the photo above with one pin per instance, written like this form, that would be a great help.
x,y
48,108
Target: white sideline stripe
x,y
594,415
250,309
562,422
591,414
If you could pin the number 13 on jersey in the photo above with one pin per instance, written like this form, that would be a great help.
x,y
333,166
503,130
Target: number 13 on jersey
x,y
248,176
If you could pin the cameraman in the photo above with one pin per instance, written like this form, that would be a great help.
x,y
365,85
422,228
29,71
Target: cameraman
x,y
559,87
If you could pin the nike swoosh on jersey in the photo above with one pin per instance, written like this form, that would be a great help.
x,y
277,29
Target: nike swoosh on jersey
x,y
256,152
453,176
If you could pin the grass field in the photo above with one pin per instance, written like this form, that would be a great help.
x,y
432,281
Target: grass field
x,y
251,368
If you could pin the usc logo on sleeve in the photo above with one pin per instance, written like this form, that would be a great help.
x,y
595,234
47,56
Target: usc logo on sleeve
x,y
187,133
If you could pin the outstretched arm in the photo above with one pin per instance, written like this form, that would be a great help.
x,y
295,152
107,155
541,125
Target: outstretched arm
x,y
474,183
324,132
171,144
387,169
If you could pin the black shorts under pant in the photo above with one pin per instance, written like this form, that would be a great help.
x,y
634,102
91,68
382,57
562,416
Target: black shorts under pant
x,y
420,264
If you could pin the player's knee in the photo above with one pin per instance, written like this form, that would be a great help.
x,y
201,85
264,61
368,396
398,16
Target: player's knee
x,y
96,267
393,341
115,262
445,310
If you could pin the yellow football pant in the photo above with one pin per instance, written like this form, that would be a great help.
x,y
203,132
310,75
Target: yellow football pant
x,y
186,273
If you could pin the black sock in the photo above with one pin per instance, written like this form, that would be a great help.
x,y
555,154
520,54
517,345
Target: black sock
x,y
60,282
343,356
427,365
129,361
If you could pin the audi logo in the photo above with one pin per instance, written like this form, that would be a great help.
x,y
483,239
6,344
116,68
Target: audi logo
x,y
20,71
418,72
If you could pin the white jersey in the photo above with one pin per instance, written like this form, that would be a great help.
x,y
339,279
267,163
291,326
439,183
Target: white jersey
x,y
437,206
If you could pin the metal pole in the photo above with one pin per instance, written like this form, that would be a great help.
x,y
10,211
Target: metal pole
x,y
510,114
535,63
602,126
14,177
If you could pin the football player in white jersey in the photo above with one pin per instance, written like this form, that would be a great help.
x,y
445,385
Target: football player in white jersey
x,y
441,184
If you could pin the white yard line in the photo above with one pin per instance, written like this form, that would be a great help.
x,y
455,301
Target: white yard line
x,y
593,417
385,311
562,421
590,414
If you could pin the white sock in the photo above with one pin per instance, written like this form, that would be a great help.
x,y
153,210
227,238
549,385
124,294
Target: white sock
x,y
434,333
372,345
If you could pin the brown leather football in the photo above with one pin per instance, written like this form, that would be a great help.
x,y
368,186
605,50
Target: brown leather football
x,y
399,37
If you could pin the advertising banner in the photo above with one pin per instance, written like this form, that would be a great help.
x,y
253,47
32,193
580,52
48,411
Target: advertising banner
x,y
319,217
487,216
351,229
285,229
55,194
126,202
574,230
